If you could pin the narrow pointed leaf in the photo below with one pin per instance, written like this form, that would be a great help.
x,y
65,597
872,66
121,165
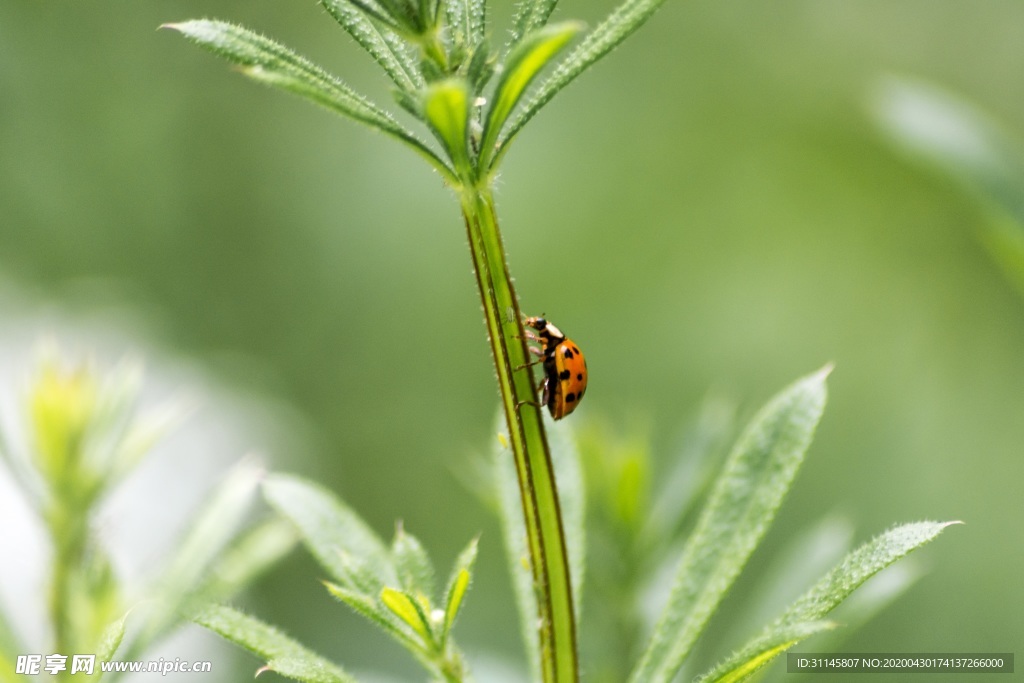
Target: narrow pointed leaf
x,y
466,19
211,530
481,66
864,604
530,16
968,147
216,524
827,594
248,558
685,484
415,573
446,106
521,67
372,609
797,565
877,593
381,43
380,12
858,567
140,438
956,138
759,652
458,584
746,495
269,62
359,575
407,609
330,530
624,19
110,639
568,473
282,654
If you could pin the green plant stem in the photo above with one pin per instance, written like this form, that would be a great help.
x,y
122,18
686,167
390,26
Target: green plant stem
x,y
545,536
68,536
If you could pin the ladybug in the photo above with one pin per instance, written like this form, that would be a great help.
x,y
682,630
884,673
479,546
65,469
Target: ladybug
x,y
565,368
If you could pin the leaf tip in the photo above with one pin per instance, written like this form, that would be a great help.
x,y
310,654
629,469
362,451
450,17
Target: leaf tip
x,y
825,371
180,26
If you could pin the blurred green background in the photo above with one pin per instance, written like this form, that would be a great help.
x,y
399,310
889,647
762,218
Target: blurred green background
x,y
711,207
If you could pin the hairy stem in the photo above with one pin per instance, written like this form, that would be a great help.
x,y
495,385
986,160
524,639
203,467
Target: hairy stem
x,y
545,536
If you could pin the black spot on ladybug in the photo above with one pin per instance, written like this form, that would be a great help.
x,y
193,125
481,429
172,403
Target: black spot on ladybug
x,y
564,374
567,353
575,350
569,398
580,378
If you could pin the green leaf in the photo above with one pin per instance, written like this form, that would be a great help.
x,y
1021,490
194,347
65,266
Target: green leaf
x,y
446,106
269,62
800,562
873,596
141,436
333,533
956,137
406,608
858,567
382,44
968,147
624,19
359,575
704,446
415,573
248,558
466,20
212,528
826,594
110,639
480,68
568,474
863,605
282,654
372,609
379,11
749,490
522,65
215,525
530,16
759,652
458,584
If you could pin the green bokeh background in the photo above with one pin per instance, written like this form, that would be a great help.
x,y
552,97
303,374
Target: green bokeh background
x,y
710,207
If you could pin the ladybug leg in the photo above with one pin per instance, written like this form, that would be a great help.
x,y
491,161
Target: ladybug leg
x,y
531,363
527,335
544,396
545,392
535,351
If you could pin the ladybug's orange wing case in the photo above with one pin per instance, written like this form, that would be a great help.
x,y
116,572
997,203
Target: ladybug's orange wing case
x,y
568,381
